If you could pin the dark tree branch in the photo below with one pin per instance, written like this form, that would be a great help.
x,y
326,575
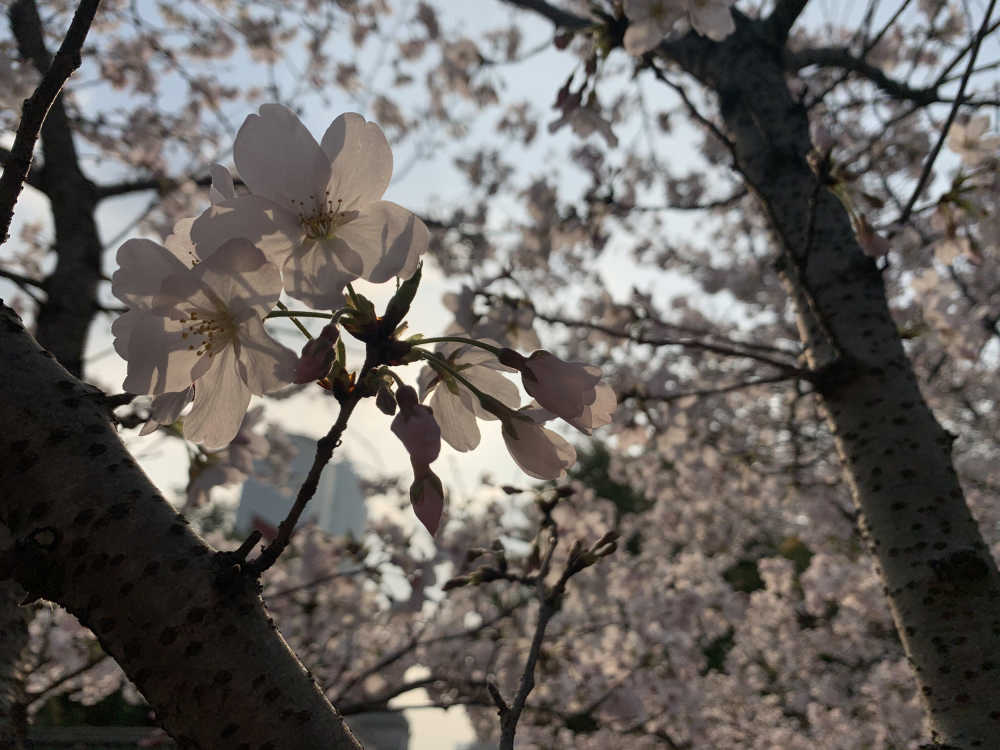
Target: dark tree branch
x,y
324,452
702,392
36,107
560,18
842,58
63,320
783,17
34,176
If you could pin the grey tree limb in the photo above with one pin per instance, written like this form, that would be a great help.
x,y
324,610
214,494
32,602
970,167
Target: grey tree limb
x,y
185,622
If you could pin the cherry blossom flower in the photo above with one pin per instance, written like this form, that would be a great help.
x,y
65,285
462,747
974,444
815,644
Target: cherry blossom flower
x,y
711,18
570,390
201,327
455,407
540,452
969,140
649,22
315,209
415,426
427,498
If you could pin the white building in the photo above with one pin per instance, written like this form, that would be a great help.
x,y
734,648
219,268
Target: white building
x,y
337,507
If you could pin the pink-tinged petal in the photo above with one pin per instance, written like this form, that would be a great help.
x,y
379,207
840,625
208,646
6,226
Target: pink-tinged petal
x,y
458,424
641,37
237,276
220,401
222,188
317,357
179,243
263,363
166,409
389,240
160,357
599,412
427,498
361,160
539,452
142,267
492,382
274,230
122,329
416,427
279,159
712,19
564,388
317,278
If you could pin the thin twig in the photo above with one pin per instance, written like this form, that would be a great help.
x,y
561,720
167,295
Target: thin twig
x,y
324,452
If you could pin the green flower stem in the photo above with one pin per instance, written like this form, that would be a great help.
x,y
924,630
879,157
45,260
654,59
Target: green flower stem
x,y
294,315
399,380
298,313
494,350
286,313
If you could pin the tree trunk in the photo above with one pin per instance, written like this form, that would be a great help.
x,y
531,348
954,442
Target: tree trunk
x,y
13,647
941,581
92,534
71,289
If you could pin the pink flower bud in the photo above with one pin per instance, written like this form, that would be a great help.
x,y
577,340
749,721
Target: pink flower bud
x,y
564,388
317,356
416,427
427,499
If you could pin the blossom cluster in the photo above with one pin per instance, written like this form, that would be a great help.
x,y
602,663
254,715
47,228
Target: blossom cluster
x,y
310,222
651,20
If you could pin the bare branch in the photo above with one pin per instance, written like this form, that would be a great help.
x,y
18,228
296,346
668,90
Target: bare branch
x,y
844,59
324,452
33,179
560,18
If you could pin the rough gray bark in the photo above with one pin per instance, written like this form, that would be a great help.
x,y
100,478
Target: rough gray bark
x,y
13,647
94,535
941,581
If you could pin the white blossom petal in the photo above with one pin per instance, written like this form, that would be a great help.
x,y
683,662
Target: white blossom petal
x,y
388,239
539,452
142,267
237,276
160,358
317,278
264,364
220,401
361,160
279,159
457,422
273,229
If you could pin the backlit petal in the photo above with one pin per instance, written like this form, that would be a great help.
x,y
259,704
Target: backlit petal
x,y
279,159
361,160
